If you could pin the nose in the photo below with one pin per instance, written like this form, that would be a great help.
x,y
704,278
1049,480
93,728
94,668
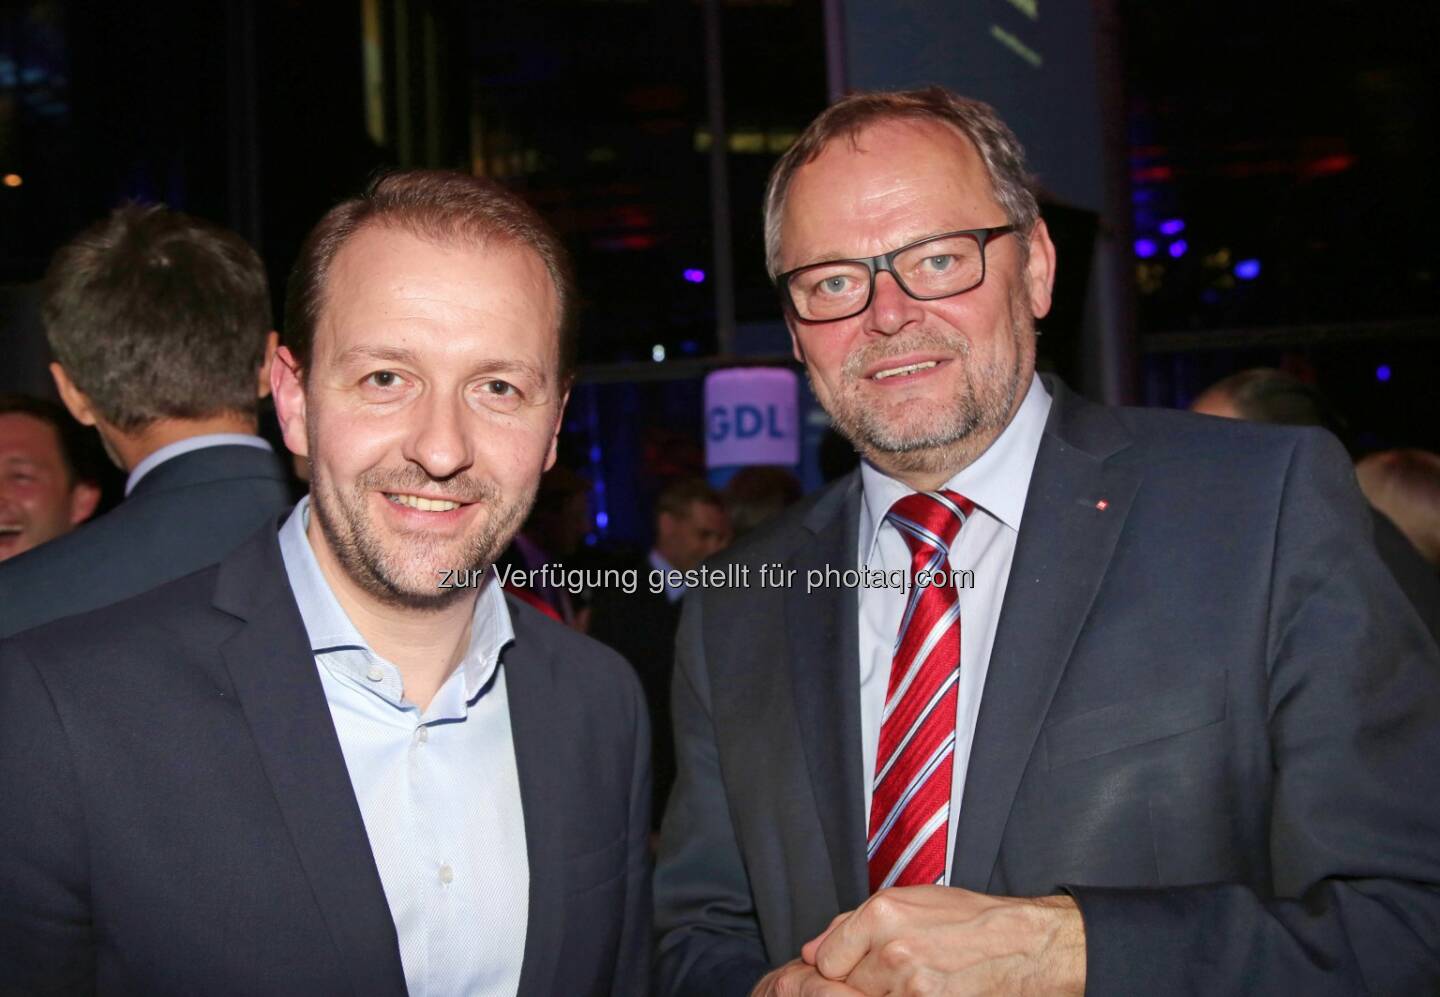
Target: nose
x,y
439,442
891,309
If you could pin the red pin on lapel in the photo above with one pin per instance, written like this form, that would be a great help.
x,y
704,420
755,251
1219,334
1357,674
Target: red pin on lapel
x,y
1102,505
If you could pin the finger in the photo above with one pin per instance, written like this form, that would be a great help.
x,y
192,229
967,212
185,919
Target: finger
x,y
807,951
846,943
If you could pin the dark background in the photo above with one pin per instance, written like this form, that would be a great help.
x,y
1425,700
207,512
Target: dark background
x,y
1295,143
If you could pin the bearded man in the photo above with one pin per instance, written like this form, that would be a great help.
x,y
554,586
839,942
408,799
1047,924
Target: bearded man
x,y
1175,734
341,761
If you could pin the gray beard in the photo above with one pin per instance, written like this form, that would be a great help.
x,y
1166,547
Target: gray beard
x,y
961,432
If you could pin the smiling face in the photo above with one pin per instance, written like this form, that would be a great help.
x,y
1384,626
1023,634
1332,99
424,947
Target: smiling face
x,y
921,388
38,498
429,412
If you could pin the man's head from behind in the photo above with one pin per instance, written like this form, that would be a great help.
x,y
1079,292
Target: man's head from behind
x,y
157,317
47,486
921,387
690,523
425,369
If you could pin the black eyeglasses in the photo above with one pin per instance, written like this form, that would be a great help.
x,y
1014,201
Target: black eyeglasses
x,y
937,267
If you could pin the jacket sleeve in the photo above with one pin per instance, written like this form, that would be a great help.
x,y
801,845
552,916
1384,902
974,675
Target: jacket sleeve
x,y
1353,904
45,921
633,966
708,936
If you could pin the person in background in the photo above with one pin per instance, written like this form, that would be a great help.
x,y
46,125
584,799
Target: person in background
x,y
756,495
1124,702
1405,486
47,487
161,330
690,525
1264,394
341,760
552,534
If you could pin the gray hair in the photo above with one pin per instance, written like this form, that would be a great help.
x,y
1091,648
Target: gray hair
x,y
999,149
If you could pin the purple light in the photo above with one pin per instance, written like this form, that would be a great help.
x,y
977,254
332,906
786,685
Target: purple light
x,y
1178,247
1382,373
602,519
1247,269
694,276
1144,248
1173,226
594,453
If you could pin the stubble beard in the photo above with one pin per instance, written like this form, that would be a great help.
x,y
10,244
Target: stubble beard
x,y
933,436
406,572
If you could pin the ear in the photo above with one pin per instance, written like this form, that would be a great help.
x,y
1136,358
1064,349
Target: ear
x,y
84,497
75,400
796,350
1040,270
288,387
555,436
262,384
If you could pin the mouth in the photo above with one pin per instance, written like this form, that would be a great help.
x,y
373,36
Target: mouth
x,y
423,503
907,368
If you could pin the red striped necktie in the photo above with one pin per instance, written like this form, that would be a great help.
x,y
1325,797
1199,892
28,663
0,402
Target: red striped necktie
x,y
910,807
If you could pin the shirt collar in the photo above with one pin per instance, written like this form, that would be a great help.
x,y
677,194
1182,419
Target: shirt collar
x,y
997,481
673,593
187,445
329,628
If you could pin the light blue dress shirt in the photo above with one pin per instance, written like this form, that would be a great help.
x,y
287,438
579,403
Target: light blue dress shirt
x,y
997,482
439,791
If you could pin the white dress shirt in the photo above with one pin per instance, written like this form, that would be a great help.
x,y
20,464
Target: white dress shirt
x,y
997,483
439,791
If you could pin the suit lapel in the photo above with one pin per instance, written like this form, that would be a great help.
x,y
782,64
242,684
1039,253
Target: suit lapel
x,y
529,688
273,672
822,631
1064,547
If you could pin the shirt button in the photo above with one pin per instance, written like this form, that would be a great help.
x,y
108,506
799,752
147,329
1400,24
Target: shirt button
x,y
375,674
447,874
422,734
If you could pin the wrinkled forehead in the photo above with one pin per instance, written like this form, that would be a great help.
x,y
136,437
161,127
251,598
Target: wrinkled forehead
x,y
891,182
387,279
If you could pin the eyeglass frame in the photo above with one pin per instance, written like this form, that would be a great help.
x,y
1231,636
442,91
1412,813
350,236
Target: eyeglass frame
x,y
886,262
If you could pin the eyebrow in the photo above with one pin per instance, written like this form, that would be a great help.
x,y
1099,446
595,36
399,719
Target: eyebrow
x,y
400,355
836,257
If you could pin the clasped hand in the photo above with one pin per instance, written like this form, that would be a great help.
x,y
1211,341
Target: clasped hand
x,y
940,940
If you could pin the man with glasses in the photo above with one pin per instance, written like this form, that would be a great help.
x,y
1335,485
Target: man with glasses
x,y
1126,703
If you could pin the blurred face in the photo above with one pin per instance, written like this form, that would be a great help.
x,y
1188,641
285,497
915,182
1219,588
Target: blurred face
x,y
920,387
687,540
430,410
38,501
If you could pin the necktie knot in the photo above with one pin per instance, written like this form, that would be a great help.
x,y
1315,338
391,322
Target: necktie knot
x,y
930,519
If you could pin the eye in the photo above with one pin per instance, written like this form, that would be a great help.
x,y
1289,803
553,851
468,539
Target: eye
x,y
500,389
939,262
499,395
382,379
834,284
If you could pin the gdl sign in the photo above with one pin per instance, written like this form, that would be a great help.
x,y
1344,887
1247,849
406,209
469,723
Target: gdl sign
x,y
750,417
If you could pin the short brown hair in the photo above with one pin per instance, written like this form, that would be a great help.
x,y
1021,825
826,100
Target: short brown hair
x,y
679,495
158,315
77,450
437,205
999,149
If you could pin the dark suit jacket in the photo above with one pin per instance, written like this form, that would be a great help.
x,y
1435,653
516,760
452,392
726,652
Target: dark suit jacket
x,y
178,817
184,515
1205,702
641,625
1415,575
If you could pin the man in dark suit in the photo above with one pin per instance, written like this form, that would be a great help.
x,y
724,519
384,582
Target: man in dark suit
x,y
691,524
1263,394
160,325
1056,698
341,761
